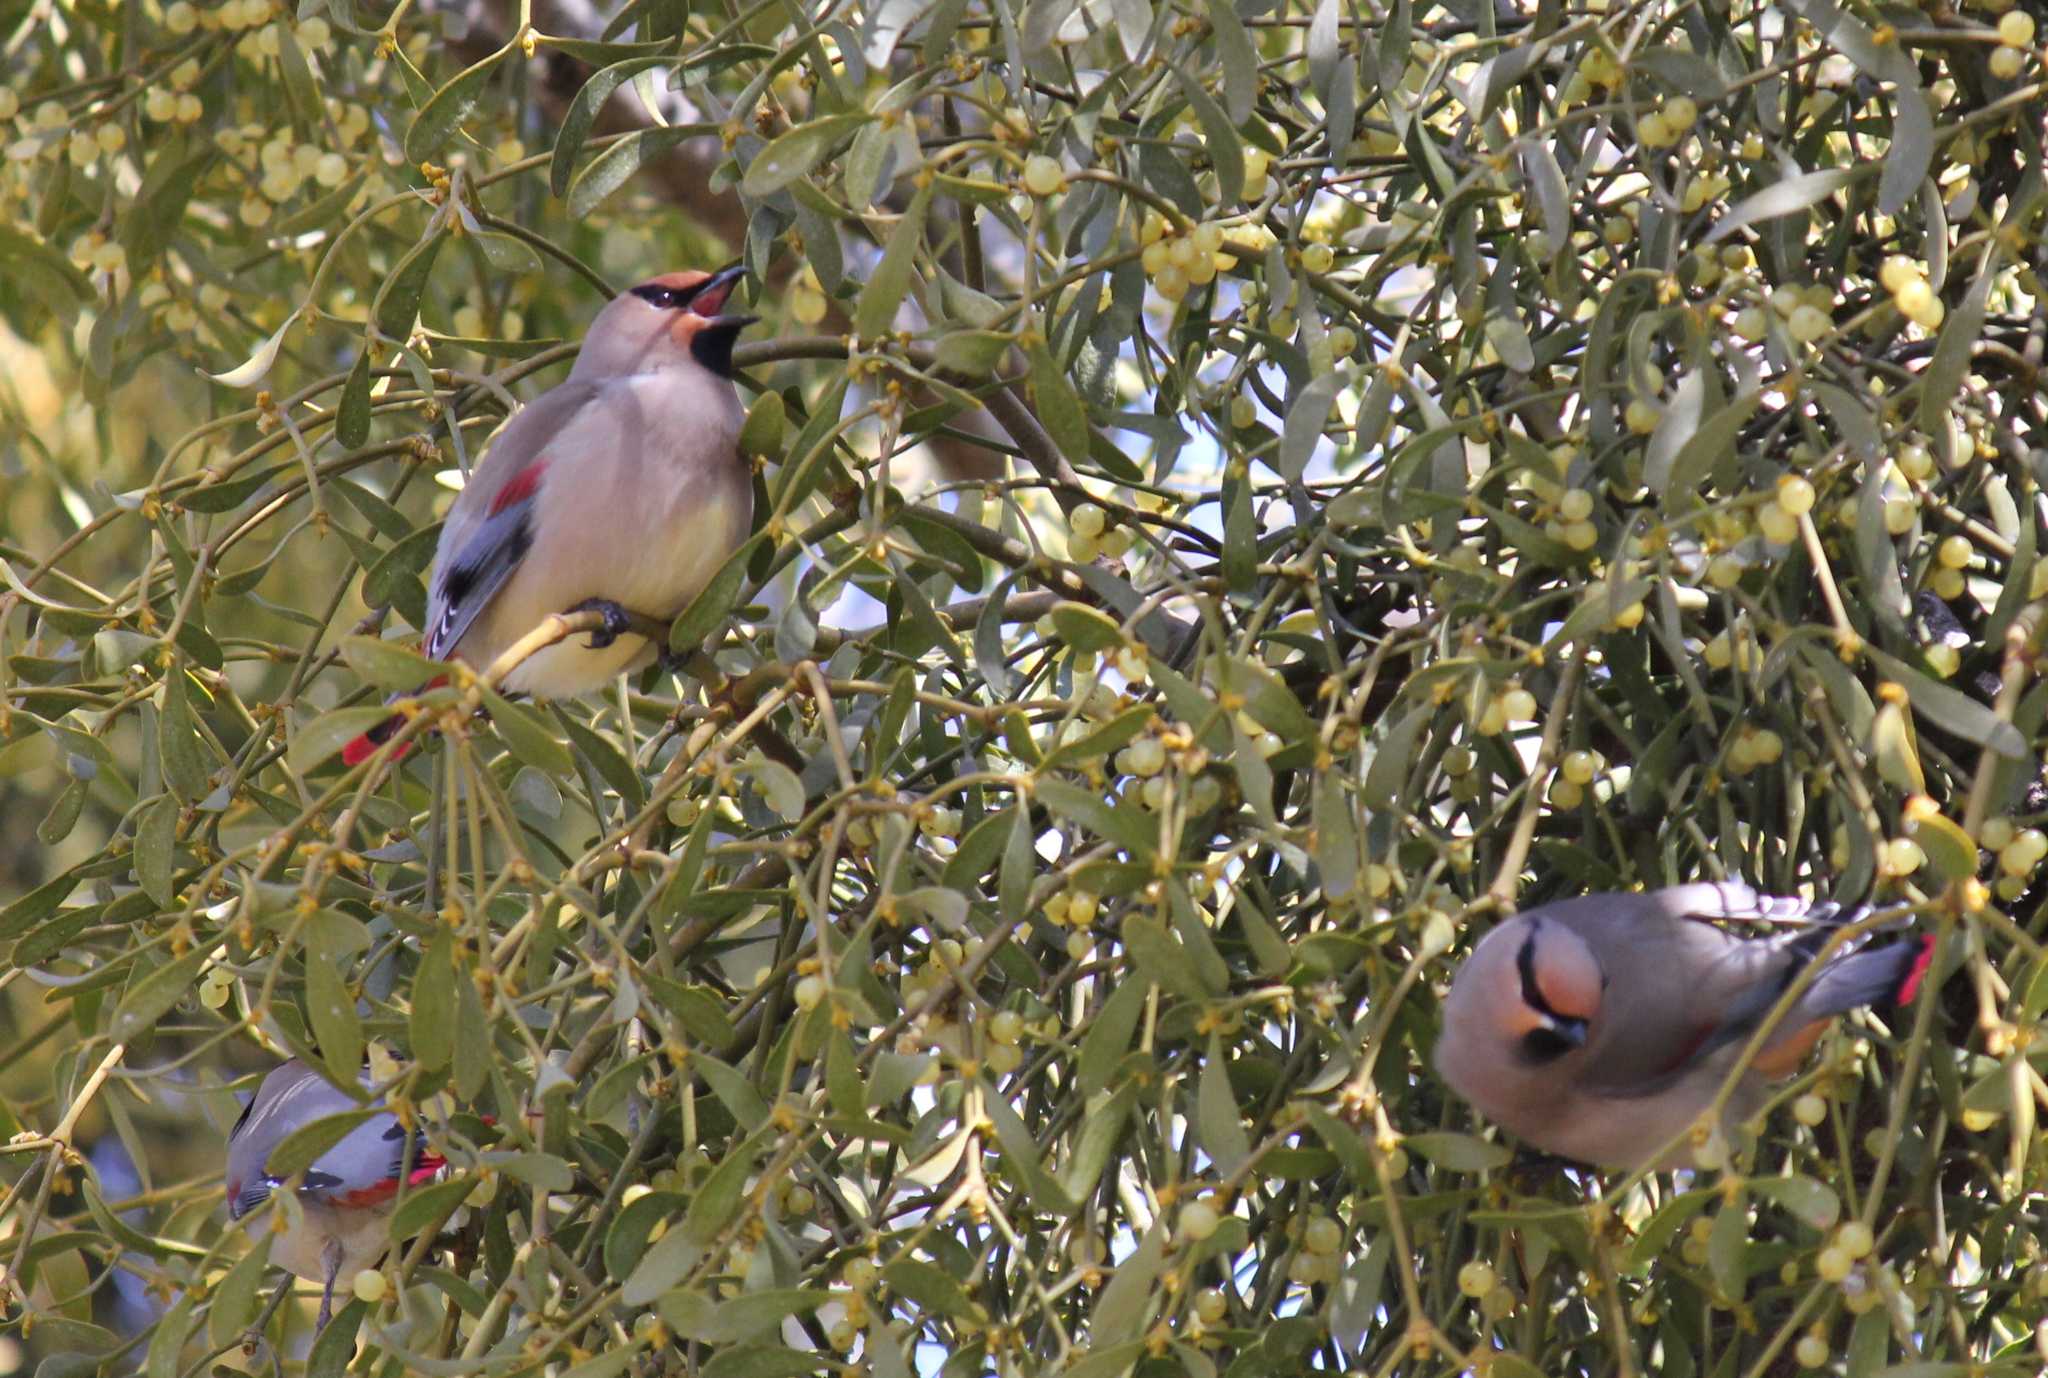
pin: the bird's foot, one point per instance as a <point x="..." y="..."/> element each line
<point x="617" y="621"/>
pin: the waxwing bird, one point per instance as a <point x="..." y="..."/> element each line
<point x="345" y="1197"/>
<point x="1602" y="1028"/>
<point x="621" y="490"/>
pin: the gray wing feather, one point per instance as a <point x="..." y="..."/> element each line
<point x="465" y="584"/>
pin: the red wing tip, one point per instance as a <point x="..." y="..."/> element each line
<point x="1910" y="987"/>
<point x="376" y="1194"/>
<point x="361" y="749"/>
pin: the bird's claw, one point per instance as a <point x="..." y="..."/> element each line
<point x="617" y="621"/>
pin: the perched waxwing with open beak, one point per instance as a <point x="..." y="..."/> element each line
<point x="1602" y="1028"/>
<point x="345" y="1198"/>
<point x="621" y="490"/>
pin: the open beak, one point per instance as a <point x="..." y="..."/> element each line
<point x="710" y="299"/>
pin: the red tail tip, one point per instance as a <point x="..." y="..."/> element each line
<point x="1910" y="987"/>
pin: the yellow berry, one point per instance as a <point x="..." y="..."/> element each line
<point x="1777" y="524"/>
<point x="2016" y="29"/>
<point x="1897" y="271"/>
<point x="1807" y="324"/>
<point x="1042" y="175"/>
<point x="1198" y="1220"/>
<point x="1476" y="1278"/>
<point x="1795" y="495"/>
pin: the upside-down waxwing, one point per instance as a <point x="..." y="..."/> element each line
<point x="345" y="1197"/>
<point x="622" y="489"/>
<point x="1601" y="1028"/>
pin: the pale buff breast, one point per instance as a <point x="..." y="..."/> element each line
<point x="643" y="500"/>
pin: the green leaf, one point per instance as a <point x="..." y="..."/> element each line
<point x="1021" y="1156"/>
<point x="1124" y="826"/>
<point x="663" y="1265"/>
<point x="1306" y="417"/>
<point x="387" y="664"/>
<point x="607" y="1363"/>
<point x="397" y="304"/>
<point x="1728" y="1247"/>
<point x="1656" y="1233"/>
<point x="1951" y="710"/>
<point x="794" y="152"/>
<point x="723" y="1321"/>
<point x="1096" y="1144"/>
<point x="37" y="905"/>
<point x="251" y="372"/>
<point x="330" y="732"/>
<point x="429" y="1206"/>
<point x="433" y="1004"/>
<point x="1791" y="196"/>
<point x="931" y="1287"/>
<point x="609" y="170"/>
<point x="149" y="999"/>
<point x="1225" y="147"/>
<point x="159" y="205"/>
<point x="763" y="1361"/>
<point x="761" y="436"/>
<point x="716" y="1202"/>
<point x="1457" y="1152"/>
<point x="1125" y="1304"/>
<point x="332" y="1012"/>
<point x="1162" y="958"/>
<point x="352" y="419"/>
<point x="335" y="1347"/>
<point x="526" y="733"/>
<point x="1911" y="152"/>
<point x="875" y="312"/>
<point x="708" y="610"/>
<point x="507" y="254"/>
<point x="449" y="107"/>
<point x="234" y="1299"/>
<point x="1240" y="61"/>
<point x="1216" y="1114"/>
<point x="583" y="111"/>
<point x="156" y="841"/>
<point x="971" y="353"/>
<point x="1109" y="1035"/>
<point x="305" y="1145"/>
<point x="1088" y="630"/>
<point x="1816" y="1204"/>
<point x="1943" y="377"/>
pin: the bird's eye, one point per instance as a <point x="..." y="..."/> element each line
<point x="663" y="298"/>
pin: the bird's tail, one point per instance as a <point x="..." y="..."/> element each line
<point x="1888" y="975"/>
<point x="360" y="749"/>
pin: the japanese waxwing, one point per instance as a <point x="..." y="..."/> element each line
<point x="621" y="489"/>
<point x="345" y="1197"/>
<point x="1602" y="1028"/>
